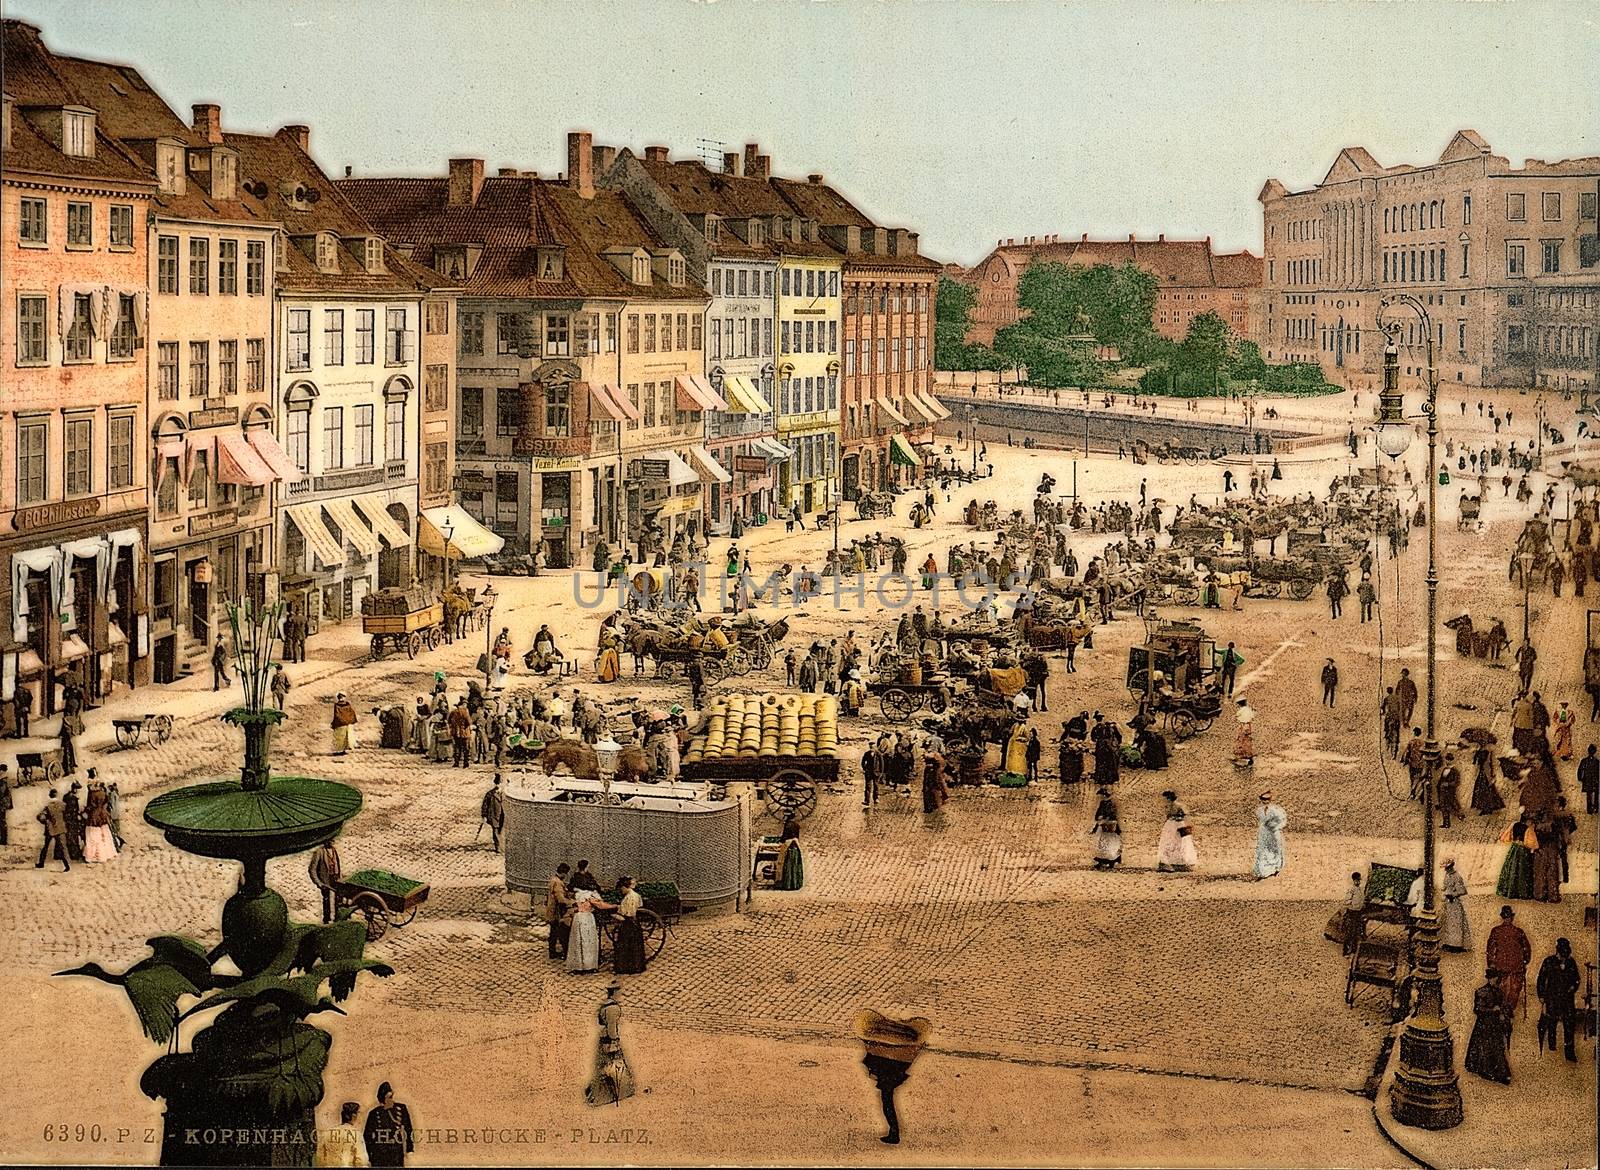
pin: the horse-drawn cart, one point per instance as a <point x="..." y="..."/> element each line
<point x="785" y="744"/>
<point x="402" y="619"/>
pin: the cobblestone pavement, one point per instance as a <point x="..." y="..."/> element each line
<point x="985" y="916"/>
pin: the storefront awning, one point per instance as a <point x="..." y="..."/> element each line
<point x="625" y="404"/>
<point x="695" y="393"/>
<point x="743" y="396"/>
<point x="390" y="530"/>
<point x="273" y="455"/>
<point x="73" y="648"/>
<point x="604" y="407"/>
<point x="237" y="462"/>
<point x="679" y="473"/>
<point x="308" y="519"/>
<point x="468" y="539"/>
<point x="892" y="411"/>
<point x="900" y="452"/>
<point x="771" y="448"/>
<point x="676" y="506"/>
<point x="354" y="528"/>
<point x="714" y="471"/>
<point x="29" y="664"/>
<point x="932" y="404"/>
<point x="919" y="414"/>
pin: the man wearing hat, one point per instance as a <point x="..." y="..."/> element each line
<point x="388" y="1133"/>
<point x="1271" y="821"/>
<point x="1557" y="987"/>
<point x="1507" y="956"/>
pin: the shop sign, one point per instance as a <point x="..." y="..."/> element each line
<point x="555" y="465"/>
<point x="750" y="464"/>
<point x="221" y="416"/>
<point x="49" y="515"/>
<point x="551" y="447"/>
<point x="201" y="572"/>
<point x="653" y="468"/>
<point x="211" y="521"/>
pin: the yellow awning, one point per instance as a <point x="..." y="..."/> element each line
<point x="308" y="519"/>
<point x="889" y="409"/>
<point x="758" y="402"/>
<point x="468" y="538"/>
<point x="385" y="525"/>
<point x="354" y="528"/>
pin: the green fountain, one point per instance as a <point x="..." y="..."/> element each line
<point x="245" y="1090"/>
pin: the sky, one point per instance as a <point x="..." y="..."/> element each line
<point x="966" y="120"/>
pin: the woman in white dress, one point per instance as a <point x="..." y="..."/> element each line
<point x="1175" y="853"/>
<point x="98" y="842"/>
<point x="1454" y="935"/>
<point x="583" y="945"/>
<point x="500" y="673"/>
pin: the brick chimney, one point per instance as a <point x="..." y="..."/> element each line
<point x="655" y="154"/>
<point x="814" y="180"/>
<point x="208" y="121"/>
<point x="466" y="180"/>
<point x="301" y="136"/>
<point x="5" y="121"/>
<point x="605" y="157"/>
<point x="752" y="152"/>
<point x="763" y="167"/>
<point x="580" y="163"/>
<point x="730" y="163"/>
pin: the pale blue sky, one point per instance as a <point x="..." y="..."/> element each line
<point x="968" y="120"/>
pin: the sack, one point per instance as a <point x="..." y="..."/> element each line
<point x="483" y="664"/>
<point x="1185" y="831"/>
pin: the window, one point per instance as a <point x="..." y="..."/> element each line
<point x="125" y="330"/>
<point x="1461" y="336"/>
<point x="437" y="466"/>
<point x="1550" y="251"/>
<point x="641" y="270"/>
<point x="694" y="331"/>
<point x="255" y="267"/>
<point x="298" y="354"/>
<point x="199" y="266"/>
<point x="228" y="268"/>
<point x="327" y="253"/>
<point x="437" y="320"/>
<point x="1464" y="258"/>
<point x="1550" y="204"/>
<point x="299" y="439"/>
<point x="365" y="328"/>
<point x="675" y="271"/>
<point x="471" y="334"/>
<point x="633" y="332"/>
<point x="394" y="429"/>
<point x="80" y="225"/>
<point x="200" y="479"/>
<point x="507" y="411"/>
<point x="79" y="461"/>
<point x="32" y="475"/>
<point x="649" y="333"/>
<point x="766" y="337"/>
<point x="1516" y="207"/>
<point x="833" y="284"/>
<point x="683" y="331"/>
<point x="33" y="222"/>
<point x="558" y="409"/>
<point x="766" y="283"/>
<point x="716" y="340"/>
<point x="80" y="330"/>
<point x="1516" y="300"/>
<point x="744" y="282"/>
<point x="199" y="369"/>
<point x="633" y="400"/>
<point x="77" y="134"/>
<point x="119" y="452"/>
<point x="811" y="282"/>
<point x="1586" y="206"/>
<point x="436" y="387"/>
<point x="397" y="347"/>
<point x="833" y="337"/>
<point x="811" y="337"/>
<point x="372" y="255"/>
<point x="508" y="333"/>
<point x="363" y="429"/>
<point x="557" y="335"/>
<point x="649" y="404"/>
<point x="167" y="265"/>
<point x="333" y="438"/>
<point x="611" y="333"/>
<point x="255" y="365"/>
<point x="744" y="339"/>
<point x="1516" y="259"/>
<point x="227" y="367"/>
<point x="167" y="370"/>
<point x="849" y="356"/>
<point x="1516" y="339"/>
<point x="469" y="420"/>
<point x="784" y="284"/>
<point x="333" y="337"/>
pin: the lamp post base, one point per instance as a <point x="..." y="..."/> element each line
<point x="1425" y="1093"/>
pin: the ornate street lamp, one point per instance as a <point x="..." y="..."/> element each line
<point x="1425" y="1092"/>
<point x="488" y="626"/>
<point x="606" y="754"/>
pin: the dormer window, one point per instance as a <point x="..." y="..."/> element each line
<point x="758" y="232"/>
<point x="170" y="172"/>
<point x="713" y="229"/>
<point x="550" y="264"/>
<point x="77" y="133"/>
<point x="641" y="268"/>
<point x="675" y="271"/>
<point x="373" y="258"/>
<point x="224" y="174"/>
<point x="327" y="252"/>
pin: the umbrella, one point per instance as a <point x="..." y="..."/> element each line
<point x="1479" y="735"/>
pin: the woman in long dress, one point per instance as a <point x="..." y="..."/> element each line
<point x="1486" y="1050"/>
<point x="1175" y="851"/>
<point x="608" y="665"/>
<point x="1516" y="872"/>
<point x="1244" y="748"/>
<point x="1485" y="796"/>
<point x="343" y="725"/>
<point x="98" y="843"/>
<point x="1270" y="823"/>
<point x="1107" y="832"/>
<point x="1546" y="860"/>
<point x="500" y="672"/>
<point x="627" y="957"/>
<point x="583" y="945"/>
<point x="1016" y="762"/>
<point x="1454" y="934"/>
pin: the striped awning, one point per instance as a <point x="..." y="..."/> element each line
<point x="900" y="452"/>
<point x="892" y="411"/>
<point x="771" y="448"/>
<point x="695" y="393"/>
<point x="625" y="404"/>
<point x="743" y="397"/>
<point x="932" y="404"/>
<point x="273" y="455"/>
<point x="712" y="471"/>
<point x="238" y="463"/>
<point x="354" y="528"/>
<point x="308" y="519"/>
<point x="600" y="396"/>
<point x="385" y="525"/>
<point x="919" y="414"/>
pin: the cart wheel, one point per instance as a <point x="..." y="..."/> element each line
<point x="654" y="928"/>
<point x="377" y="645"/>
<point x="52" y="772"/>
<point x="161" y="728"/>
<point x="792" y="791"/>
<point x="433" y="636"/>
<point x="371" y="907"/>
<point x="413" y="644"/>
<point x="1272" y="589"/>
<point x="1204" y="722"/>
<point x="1192" y="458"/>
<point x="666" y="668"/>
<point x="761" y="654"/>
<point x="1138" y="683"/>
<point x="737" y="661"/>
<point x="1301" y="588"/>
<point x="1183" y="724"/>
<point x="1186" y="595"/>
<point x="713" y="670"/>
<point x="937" y="702"/>
<point x="897" y="704"/>
<point x="406" y="921"/>
<point x="127" y="735"/>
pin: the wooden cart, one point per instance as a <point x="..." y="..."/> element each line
<point x="789" y="784"/>
<point x="157" y="728"/>
<point x="43" y="765"/>
<point x="900" y="700"/>
<point x="410" y="631"/>
<point x="1382" y="957"/>
<point x="381" y="897"/>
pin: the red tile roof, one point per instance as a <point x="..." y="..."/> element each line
<point x="822" y="203"/>
<point x="1174" y="263"/>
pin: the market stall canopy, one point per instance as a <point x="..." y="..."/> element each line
<point x="385" y="525"/>
<point x="468" y="538"/>
<point x="238" y="462"/>
<point x="714" y="471"/>
<point x="308" y="519"/>
<point x="900" y="452"/>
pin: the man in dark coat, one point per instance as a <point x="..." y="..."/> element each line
<point x="493" y="810"/>
<point x="72" y="808"/>
<point x="389" y="1135"/>
<point x="219" y="666"/>
<point x="1589" y="781"/>
<point x="1330" y="682"/>
<point x="21" y="709"/>
<point x="1557" y="986"/>
<point x="53" y="816"/>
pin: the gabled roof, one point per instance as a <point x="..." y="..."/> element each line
<point x="1353" y="163"/>
<point x="512" y="216"/>
<point x="1465" y="144"/>
<point x="1174" y="263"/>
<point x="694" y="189"/>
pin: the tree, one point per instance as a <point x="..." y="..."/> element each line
<point x="1208" y="345"/>
<point x="1248" y="365"/>
<point x="952" y="318"/>
<point x="1114" y="304"/>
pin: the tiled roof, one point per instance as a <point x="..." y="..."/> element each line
<point x="1236" y="269"/>
<point x="822" y="203"/>
<point x="128" y="107"/>
<point x="696" y="190"/>
<point x="33" y="153"/>
<point x="30" y="77"/>
<point x="1174" y="263"/>
<point x="511" y="217"/>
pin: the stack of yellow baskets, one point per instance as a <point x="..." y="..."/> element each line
<point x="767" y="726"/>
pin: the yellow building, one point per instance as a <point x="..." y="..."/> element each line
<point x="809" y="277"/>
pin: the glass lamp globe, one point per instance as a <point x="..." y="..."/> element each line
<point x="1393" y="438"/>
<point x="606" y="752"/>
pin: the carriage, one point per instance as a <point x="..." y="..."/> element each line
<point x="1181" y="653"/>
<point x="402" y="619"/>
<point x="786" y="744"/>
<point x="1171" y="453"/>
<point x="1272" y="577"/>
<point x="1382" y="955"/>
<point x="873" y="505"/>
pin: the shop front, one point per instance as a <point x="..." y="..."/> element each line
<point x="337" y="550"/>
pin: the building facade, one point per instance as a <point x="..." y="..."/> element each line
<point x="810" y="305"/>
<point x="1504" y="259"/>
<point x="1191" y="279"/>
<point x="73" y="453"/>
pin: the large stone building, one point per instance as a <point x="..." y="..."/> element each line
<point x="1191" y="279"/>
<point x="1503" y="258"/>
<point x="74" y="449"/>
<point x="580" y="366"/>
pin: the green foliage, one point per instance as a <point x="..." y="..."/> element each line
<point x="1208" y="345"/>
<point x="952" y="318"/>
